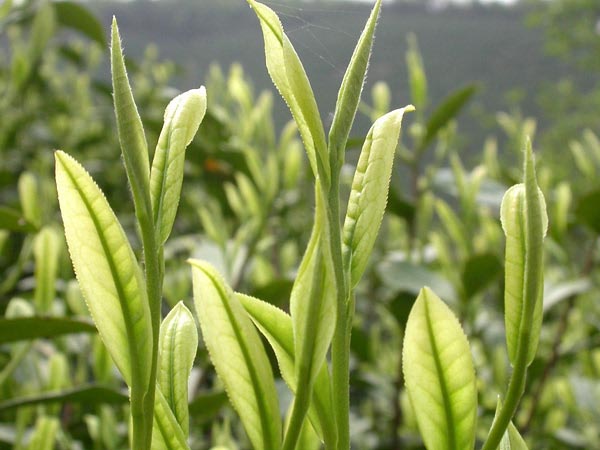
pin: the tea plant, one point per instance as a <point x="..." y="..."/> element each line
<point x="312" y="344"/>
<point x="321" y="302"/>
<point x="124" y="301"/>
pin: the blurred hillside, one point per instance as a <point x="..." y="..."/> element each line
<point x="489" y="44"/>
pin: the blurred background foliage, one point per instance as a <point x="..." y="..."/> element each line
<point x="480" y="81"/>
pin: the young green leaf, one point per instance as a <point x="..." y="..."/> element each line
<point x="177" y="350"/>
<point x="182" y="119"/>
<point x="350" y="90"/>
<point x="29" y="197"/>
<point x="46" y="251"/>
<point x="416" y="74"/>
<point x="290" y="79"/>
<point x="276" y="327"/>
<point x="313" y="302"/>
<point x="238" y="356"/>
<point x="108" y="273"/>
<point x="440" y="379"/>
<point x="166" y="432"/>
<point x="44" y="434"/>
<point x="446" y="111"/>
<point x="369" y="192"/>
<point x="131" y="131"/>
<point x="524" y="221"/>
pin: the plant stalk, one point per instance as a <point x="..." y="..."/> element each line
<point x="340" y="351"/>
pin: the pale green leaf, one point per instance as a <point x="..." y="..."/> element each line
<point x="351" y="89"/>
<point x="106" y="268"/>
<point x="276" y="327"/>
<point x="238" y="356"/>
<point x="29" y="197"/>
<point x="177" y="349"/>
<point x="290" y="79"/>
<point x="439" y="374"/>
<point x="416" y="74"/>
<point x="46" y="252"/>
<point x="369" y="192"/>
<point x="166" y="432"/>
<point x="44" y="434"/>
<point x="130" y="129"/>
<point x="524" y="221"/>
<point x="181" y="121"/>
<point x="313" y="301"/>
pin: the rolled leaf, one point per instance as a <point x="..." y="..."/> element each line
<point x="369" y="192"/>
<point x="351" y="89"/>
<point x="313" y="302"/>
<point x="131" y="131"/>
<point x="46" y="251"/>
<point x="182" y="119"/>
<point x="416" y="74"/>
<point x="276" y="327"/>
<point x="524" y="221"/>
<point x="238" y="355"/>
<point x="177" y="349"/>
<point x="108" y="273"/>
<point x="439" y="374"/>
<point x="291" y="81"/>
<point x="29" y="197"/>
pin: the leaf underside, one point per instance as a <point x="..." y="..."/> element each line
<point x="439" y="373"/>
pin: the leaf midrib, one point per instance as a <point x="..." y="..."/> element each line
<point x="264" y="420"/>
<point x="449" y="413"/>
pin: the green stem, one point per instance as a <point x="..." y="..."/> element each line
<point x="340" y="350"/>
<point x="516" y="387"/>
<point x="299" y="410"/>
<point x="154" y="268"/>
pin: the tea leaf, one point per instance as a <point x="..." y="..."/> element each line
<point x="46" y="251"/>
<point x="351" y="89"/>
<point x="445" y="112"/>
<point x="131" y="131"/>
<point x="276" y="327"/>
<point x="44" y="434"/>
<point x="440" y="379"/>
<point x="12" y="220"/>
<point x="107" y="271"/>
<point x="290" y="79"/>
<point x="27" y="328"/>
<point x="29" y="197"/>
<point x="181" y="121"/>
<point x="85" y="395"/>
<point x="166" y="432"/>
<point x="78" y="17"/>
<point x="177" y="346"/>
<point x="313" y="302"/>
<point x="416" y="74"/>
<point x="238" y="356"/>
<point x="369" y="192"/>
<point x="524" y="221"/>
